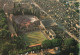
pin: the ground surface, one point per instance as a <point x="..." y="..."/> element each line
<point x="34" y="37"/>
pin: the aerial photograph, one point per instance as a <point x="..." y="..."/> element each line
<point x="39" y="27"/>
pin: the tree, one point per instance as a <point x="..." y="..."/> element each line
<point x="1" y="11"/>
<point x="4" y="34"/>
<point x="19" y="41"/>
<point x="69" y="42"/>
<point x="56" y="42"/>
<point x="36" y="48"/>
<point x="52" y="43"/>
<point x="13" y="46"/>
<point x="12" y="52"/>
<point x="46" y="44"/>
<point x="6" y="48"/>
<point x="77" y="11"/>
<point x="3" y="23"/>
<point x="77" y="4"/>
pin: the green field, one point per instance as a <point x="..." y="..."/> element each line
<point x="34" y="37"/>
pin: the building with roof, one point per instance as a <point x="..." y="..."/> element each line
<point x="52" y="34"/>
<point x="48" y="23"/>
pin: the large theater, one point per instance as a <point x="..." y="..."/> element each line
<point x="27" y="22"/>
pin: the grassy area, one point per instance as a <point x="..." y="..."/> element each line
<point x="34" y="37"/>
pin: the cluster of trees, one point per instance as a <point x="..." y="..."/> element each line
<point x="8" y="45"/>
<point x="34" y="48"/>
<point x="4" y="33"/>
<point x="18" y="11"/>
<point x="77" y="11"/>
<point x="52" y="43"/>
<point x="13" y="46"/>
<point x="70" y="46"/>
<point x="77" y="4"/>
<point x="67" y="46"/>
<point x="32" y="12"/>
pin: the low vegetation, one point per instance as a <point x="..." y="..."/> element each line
<point x="34" y="37"/>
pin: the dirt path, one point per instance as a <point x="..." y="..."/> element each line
<point x="7" y="9"/>
<point x="10" y="26"/>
